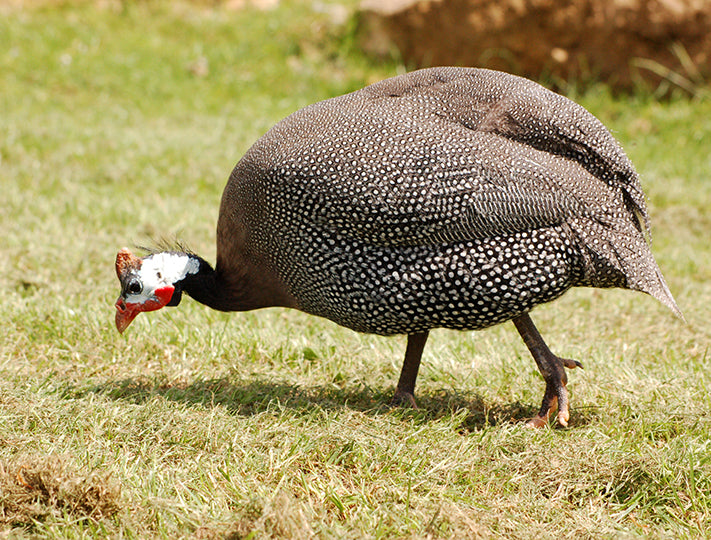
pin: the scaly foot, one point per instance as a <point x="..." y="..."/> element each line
<point x="556" y="395"/>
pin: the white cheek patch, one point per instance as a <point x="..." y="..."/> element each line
<point x="162" y="270"/>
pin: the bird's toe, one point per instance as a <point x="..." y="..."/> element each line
<point x="563" y="417"/>
<point x="548" y="407"/>
<point x="570" y="364"/>
<point x="537" y="422"/>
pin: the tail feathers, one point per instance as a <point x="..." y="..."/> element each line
<point x="658" y="289"/>
<point x="623" y="252"/>
<point x="643" y="274"/>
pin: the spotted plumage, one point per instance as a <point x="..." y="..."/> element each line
<point x="447" y="197"/>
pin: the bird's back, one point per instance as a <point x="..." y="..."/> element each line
<point x="440" y="164"/>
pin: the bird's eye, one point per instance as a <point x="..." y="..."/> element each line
<point x="134" y="286"/>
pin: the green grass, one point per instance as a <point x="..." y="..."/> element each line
<point x="198" y="424"/>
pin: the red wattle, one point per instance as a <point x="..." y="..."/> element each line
<point x="164" y="294"/>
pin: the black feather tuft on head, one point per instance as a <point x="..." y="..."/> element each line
<point x="165" y="244"/>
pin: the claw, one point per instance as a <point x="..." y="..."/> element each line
<point x="571" y="364"/>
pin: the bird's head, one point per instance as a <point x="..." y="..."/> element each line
<point x="149" y="283"/>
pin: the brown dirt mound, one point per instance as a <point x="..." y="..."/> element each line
<point x="621" y="42"/>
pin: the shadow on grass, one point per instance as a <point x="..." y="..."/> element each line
<point x="256" y="396"/>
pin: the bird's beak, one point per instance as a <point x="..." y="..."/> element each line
<point x="125" y="313"/>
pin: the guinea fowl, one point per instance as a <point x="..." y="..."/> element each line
<point x="443" y="198"/>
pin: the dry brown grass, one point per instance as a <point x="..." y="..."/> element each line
<point x="35" y="488"/>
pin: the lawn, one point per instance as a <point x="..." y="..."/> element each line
<point x="119" y="125"/>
